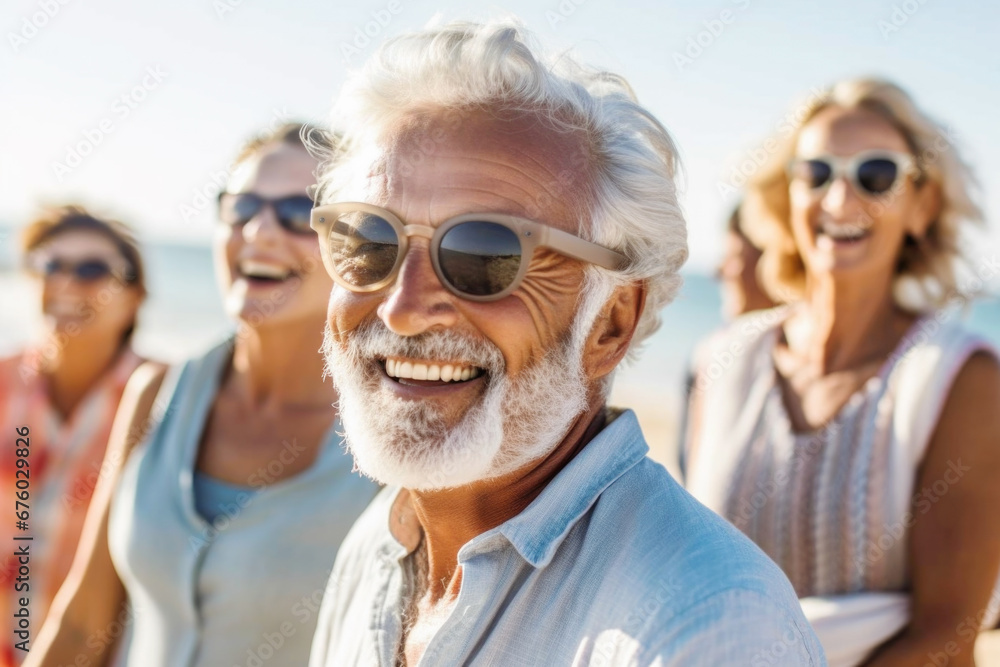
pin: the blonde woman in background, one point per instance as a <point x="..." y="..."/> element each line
<point x="58" y="398"/>
<point x="855" y="434"/>
<point x="222" y="525"/>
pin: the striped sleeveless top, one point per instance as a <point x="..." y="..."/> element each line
<point x="244" y="589"/>
<point x="833" y="506"/>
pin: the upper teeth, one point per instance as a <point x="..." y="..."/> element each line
<point x="845" y="232"/>
<point x="263" y="270"/>
<point x="420" y="370"/>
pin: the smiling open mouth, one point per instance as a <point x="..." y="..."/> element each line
<point x="65" y="309"/>
<point x="402" y="370"/>
<point x="844" y="233"/>
<point x="264" y="272"/>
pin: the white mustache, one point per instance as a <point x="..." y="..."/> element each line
<point x="374" y="341"/>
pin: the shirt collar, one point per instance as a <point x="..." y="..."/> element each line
<point x="537" y="532"/>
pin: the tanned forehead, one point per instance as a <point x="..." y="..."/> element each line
<point x="566" y="155"/>
<point x="500" y="130"/>
<point x="856" y="125"/>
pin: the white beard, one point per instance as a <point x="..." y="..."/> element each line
<point x="407" y="442"/>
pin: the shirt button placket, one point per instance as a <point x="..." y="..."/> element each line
<point x="197" y="564"/>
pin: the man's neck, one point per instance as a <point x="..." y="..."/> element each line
<point x="450" y="518"/>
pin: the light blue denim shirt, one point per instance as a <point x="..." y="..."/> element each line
<point x="612" y="564"/>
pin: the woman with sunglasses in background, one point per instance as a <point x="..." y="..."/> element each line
<point x="854" y="435"/>
<point x="221" y="527"/>
<point x="62" y="393"/>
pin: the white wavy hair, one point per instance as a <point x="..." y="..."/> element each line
<point x="631" y="161"/>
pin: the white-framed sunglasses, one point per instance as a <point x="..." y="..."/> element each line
<point x="872" y="173"/>
<point x="476" y="256"/>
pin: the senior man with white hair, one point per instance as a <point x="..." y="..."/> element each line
<point x="502" y="229"/>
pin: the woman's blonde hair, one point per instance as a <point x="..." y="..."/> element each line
<point x="926" y="268"/>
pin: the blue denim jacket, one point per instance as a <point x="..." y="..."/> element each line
<point x="612" y="564"/>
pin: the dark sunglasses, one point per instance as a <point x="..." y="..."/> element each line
<point x="84" y="271"/>
<point x="479" y="256"/>
<point x="871" y="173"/>
<point x="237" y="208"/>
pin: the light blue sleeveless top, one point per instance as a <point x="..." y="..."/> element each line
<point x="246" y="589"/>
<point x="213" y="497"/>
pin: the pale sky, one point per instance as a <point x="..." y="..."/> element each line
<point x="160" y="94"/>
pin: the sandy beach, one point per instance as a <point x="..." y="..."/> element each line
<point x="658" y="411"/>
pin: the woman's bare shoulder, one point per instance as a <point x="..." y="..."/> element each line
<point x="133" y="420"/>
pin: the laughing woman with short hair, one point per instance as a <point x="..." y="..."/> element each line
<point x="840" y="413"/>
<point x="222" y="525"/>
<point x="64" y="390"/>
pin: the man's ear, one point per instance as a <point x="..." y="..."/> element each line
<point x="613" y="330"/>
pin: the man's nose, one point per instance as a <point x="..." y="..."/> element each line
<point x="417" y="301"/>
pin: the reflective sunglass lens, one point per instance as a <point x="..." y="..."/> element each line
<point x="237" y="209"/>
<point x="363" y="248"/>
<point x="51" y="267"/>
<point x="92" y="270"/>
<point x="87" y="270"/>
<point x="480" y="258"/>
<point x="293" y="213"/>
<point x="878" y="175"/>
<point x="815" y="173"/>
